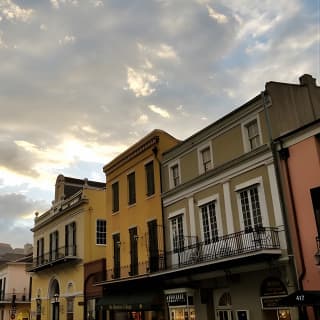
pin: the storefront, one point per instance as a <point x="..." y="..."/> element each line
<point x="180" y="304"/>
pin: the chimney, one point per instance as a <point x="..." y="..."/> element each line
<point x="307" y="79"/>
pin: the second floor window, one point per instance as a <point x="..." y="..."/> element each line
<point x="115" y="197"/>
<point x="116" y="255"/>
<point x="149" y="178"/>
<point x="70" y="239"/>
<point x="101" y="232"/>
<point x="250" y="206"/>
<point x="131" y="188"/>
<point x="177" y="233"/>
<point x="209" y="222"/>
<point x="54" y="245"/>
<point x="40" y="250"/>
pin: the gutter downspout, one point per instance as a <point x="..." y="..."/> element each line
<point x="284" y="211"/>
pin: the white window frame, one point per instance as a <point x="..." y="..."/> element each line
<point x="244" y="130"/>
<point x="171" y="180"/>
<point x="204" y="201"/>
<point x="262" y="200"/>
<point x="174" y="215"/>
<point x="200" y="158"/>
<point x="101" y="244"/>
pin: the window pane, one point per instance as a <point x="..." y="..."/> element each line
<point x="115" y="197"/>
<point x="175" y="175"/>
<point x="132" y="188"/>
<point x="209" y="222"/>
<point x="150" y="178"/>
<point x="177" y="234"/>
<point x="101" y="232"/>
<point x="206" y="159"/>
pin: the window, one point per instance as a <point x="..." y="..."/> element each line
<point x="116" y="255"/>
<point x="250" y="207"/>
<point x="251" y="134"/>
<point x="101" y="232"/>
<point x="54" y="245"/>
<point x="70" y="239"/>
<point x="131" y="188"/>
<point x="133" y="251"/>
<point x="315" y="197"/>
<point x="153" y="246"/>
<point x="175" y="175"/>
<point x="150" y="178"/>
<point x="209" y="222"/>
<point x="70" y="304"/>
<point x="177" y="233"/>
<point x="205" y="158"/>
<point x="115" y="197"/>
<point x="40" y="251"/>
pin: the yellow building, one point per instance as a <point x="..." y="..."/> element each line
<point x="135" y="246"/>
<point x="71" y="233"/>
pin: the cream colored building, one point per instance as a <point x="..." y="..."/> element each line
<point x="71" y="233"/>
<point x="15" y="285"/>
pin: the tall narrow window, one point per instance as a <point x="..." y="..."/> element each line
<point x="70" y="307"/>
<point x="54" y="242"/>
<point x="40" y="251"/>
<point x="150" y="178"/>
<point x="133" y="251"/>
<point x="175" y="175"/>
<point x="315" y="197"/>
<point x="206" y="159"/>
<point x="115" y="197"/>
<point x="101" y="232"/>
<point x="70" y="239"/>
<point x="153" y="246"/>
<point x="131" y="188"/>
<point x="116" y="255"/>
<point x="253" y="134"/>
<point x="250" y="206"/>
<point x="209" y="222"/>
<point x="177" y="233"/>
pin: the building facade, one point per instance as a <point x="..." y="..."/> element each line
<point x="67" y="236"/>
<point x="15" y="290"/>
<point x="298" y="151"/>
<point x="135" y="246"/>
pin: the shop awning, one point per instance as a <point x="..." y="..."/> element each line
<point x="301" y="298"/>
<point x="131" y="301"/>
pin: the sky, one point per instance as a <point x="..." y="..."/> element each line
<point x="82" y="80"/>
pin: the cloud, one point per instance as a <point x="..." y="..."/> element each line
<point x="12" y="12"/>
<point x="140" y="82"/>
<point x="68" y="39"/>
<point x="219" y="17"/>
<point x="163" y="113"/>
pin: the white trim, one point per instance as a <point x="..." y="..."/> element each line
<point x="170" y="166"/>
<point x="248" y="183"/>
<point x="148" y="160"/>
<point x="177" y="213"/>
<point x="228" y="209"/>
<point x="205" y="201"/>
<point x="200" y="149"/>
<point x="262" y="200"/>
<point x="244" y="131"/>
<point x="192" y="220"/>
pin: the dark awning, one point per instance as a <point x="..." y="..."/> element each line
<point x="131" y="301"/>
<point x="301" y="298"/>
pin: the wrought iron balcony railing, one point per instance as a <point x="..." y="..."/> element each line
<point x="231" y="245"/>
<point x="62" y="254"/>
<point x="16" y="297"/>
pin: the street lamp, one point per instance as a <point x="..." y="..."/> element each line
<point x="56" y="298"/>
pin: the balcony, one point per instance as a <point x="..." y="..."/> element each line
<point x="14" y="297"/>
<point x="243" y="244"/>
<point x="55" y="257"/>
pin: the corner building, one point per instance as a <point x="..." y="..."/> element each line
<point x="229" y="251"/>
<point x="135" y="245"/>
<point x="71" y="233"/>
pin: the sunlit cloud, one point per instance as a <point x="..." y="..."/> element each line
<point x="12" y="12"/>
<point x="163" y="113"/>
<point x="166" y="52"/>
<point x="219" y="17"/>
<point x="68" y="39"/>
<point x="140" y="82"/>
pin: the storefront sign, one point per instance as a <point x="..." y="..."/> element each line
<point x="177" y="299"/>
<point x="273" y="287"/>
<point x="270" y="303"/>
